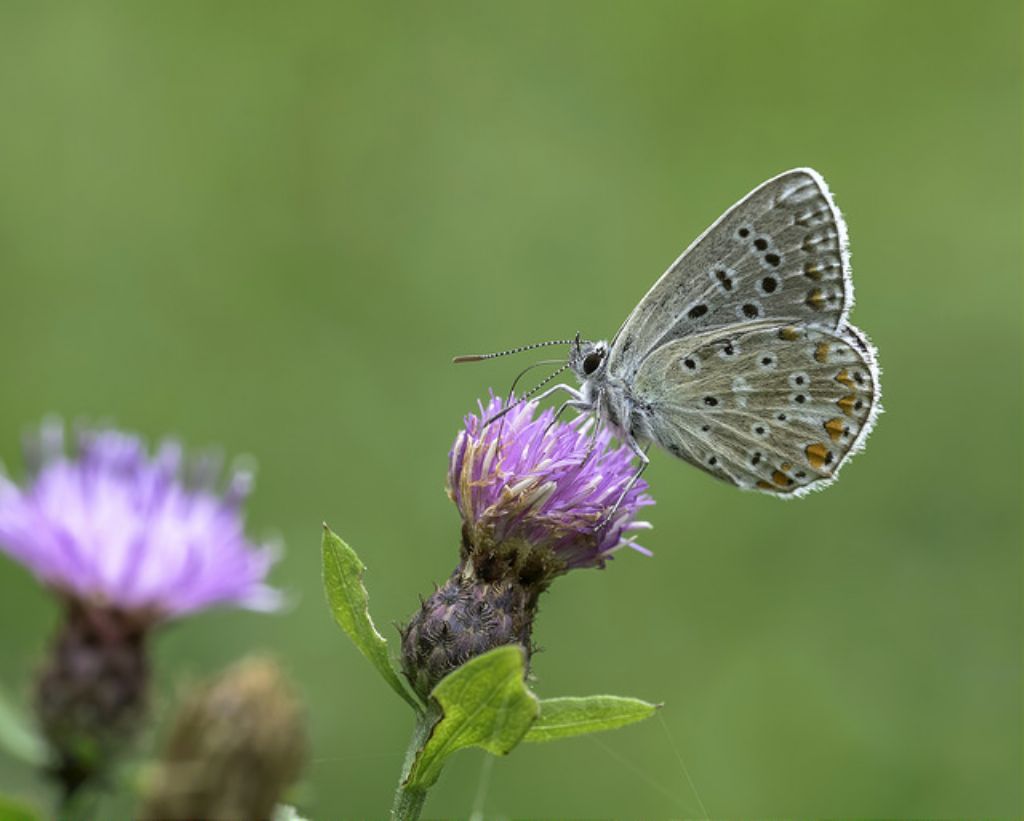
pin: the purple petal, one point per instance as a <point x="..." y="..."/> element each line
<point x="117" y="524"/>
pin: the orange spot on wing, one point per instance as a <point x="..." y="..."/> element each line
<point x="781" y="479"/>
<point x="821" y="352"/>
<point x="815" y="299"/>
<point x="817" y="455"/>
<point x="761" y="483"/>
<point x="843" y="377"/>
<point x="846" y="404"/>
<point x="789" y="334"/>
<point x="835" y="428"/>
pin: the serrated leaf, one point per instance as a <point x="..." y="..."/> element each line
<point x="567" y="717"/>
<point x="484" y="703"/>
<point x="349" y="602"/>
<point x="19" y="737"/>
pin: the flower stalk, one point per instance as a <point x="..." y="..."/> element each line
<point x="409" y="800"/>
<point x="537" y="500"/>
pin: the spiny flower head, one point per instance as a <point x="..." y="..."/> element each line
<point x="118" y="527"/>
<point x="553" y="485"/>
<point x="538" y="498"/>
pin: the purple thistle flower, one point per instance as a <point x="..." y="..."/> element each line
<point x="115" y="526"/>
<point x="538" y="498"/>
<point x="126" y="542"/>
<point x="552" y="485"/>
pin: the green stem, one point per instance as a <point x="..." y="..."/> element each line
<point x="408" y="803"/>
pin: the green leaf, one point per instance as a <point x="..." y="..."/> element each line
<point x="11" y="809"/>
<point x="484" y="703"/>
<point x="343" y="581"/>
<point x="19" y="737"/>
<point x="566" y="717"/>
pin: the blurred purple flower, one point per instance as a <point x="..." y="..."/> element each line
<point x="113" y="526"/>
<point x="551" y="485"/>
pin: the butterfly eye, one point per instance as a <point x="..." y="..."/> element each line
<point x="591" y="362"/>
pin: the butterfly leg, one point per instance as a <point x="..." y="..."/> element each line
<point x="575" y="394"/>
<point x="569" y="389"/>
<point x="561" y="409"/>
<point x="596" y="422"/>
<point x="641" y="454"/>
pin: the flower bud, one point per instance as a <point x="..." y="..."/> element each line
<point x="236" y="745"/>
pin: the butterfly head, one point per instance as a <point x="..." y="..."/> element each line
<point x="587" y="359"/>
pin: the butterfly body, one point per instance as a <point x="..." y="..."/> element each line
<point x="612" y="401"/>
<point x="740" y="359"/>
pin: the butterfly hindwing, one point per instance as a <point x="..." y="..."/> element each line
<point x="774" y="407"/>
<point x="778" y="254"/>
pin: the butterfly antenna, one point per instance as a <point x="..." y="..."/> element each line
<point x="515" y="382"/>
<point x="480" y="357"/>
<point x="526" y="395"/>
<point x="526" y="370"/>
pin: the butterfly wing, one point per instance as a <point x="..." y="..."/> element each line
<point x="773" y="407"/>
<point x="778" y="254"/>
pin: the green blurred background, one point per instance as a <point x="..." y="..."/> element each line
<point x="269" y="226"/>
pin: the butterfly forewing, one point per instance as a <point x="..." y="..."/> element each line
<point x="774" y="407"/>
<point x="778" y="254"/>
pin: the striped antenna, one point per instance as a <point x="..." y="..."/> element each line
<point x="480" y="357"/>
<point x="525" y="397"/>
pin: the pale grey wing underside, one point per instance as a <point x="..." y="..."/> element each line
<point x="772" y="407"/>
<point x="778" y="254"/>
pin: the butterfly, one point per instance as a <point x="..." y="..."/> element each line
<point x="741" y="359"/>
